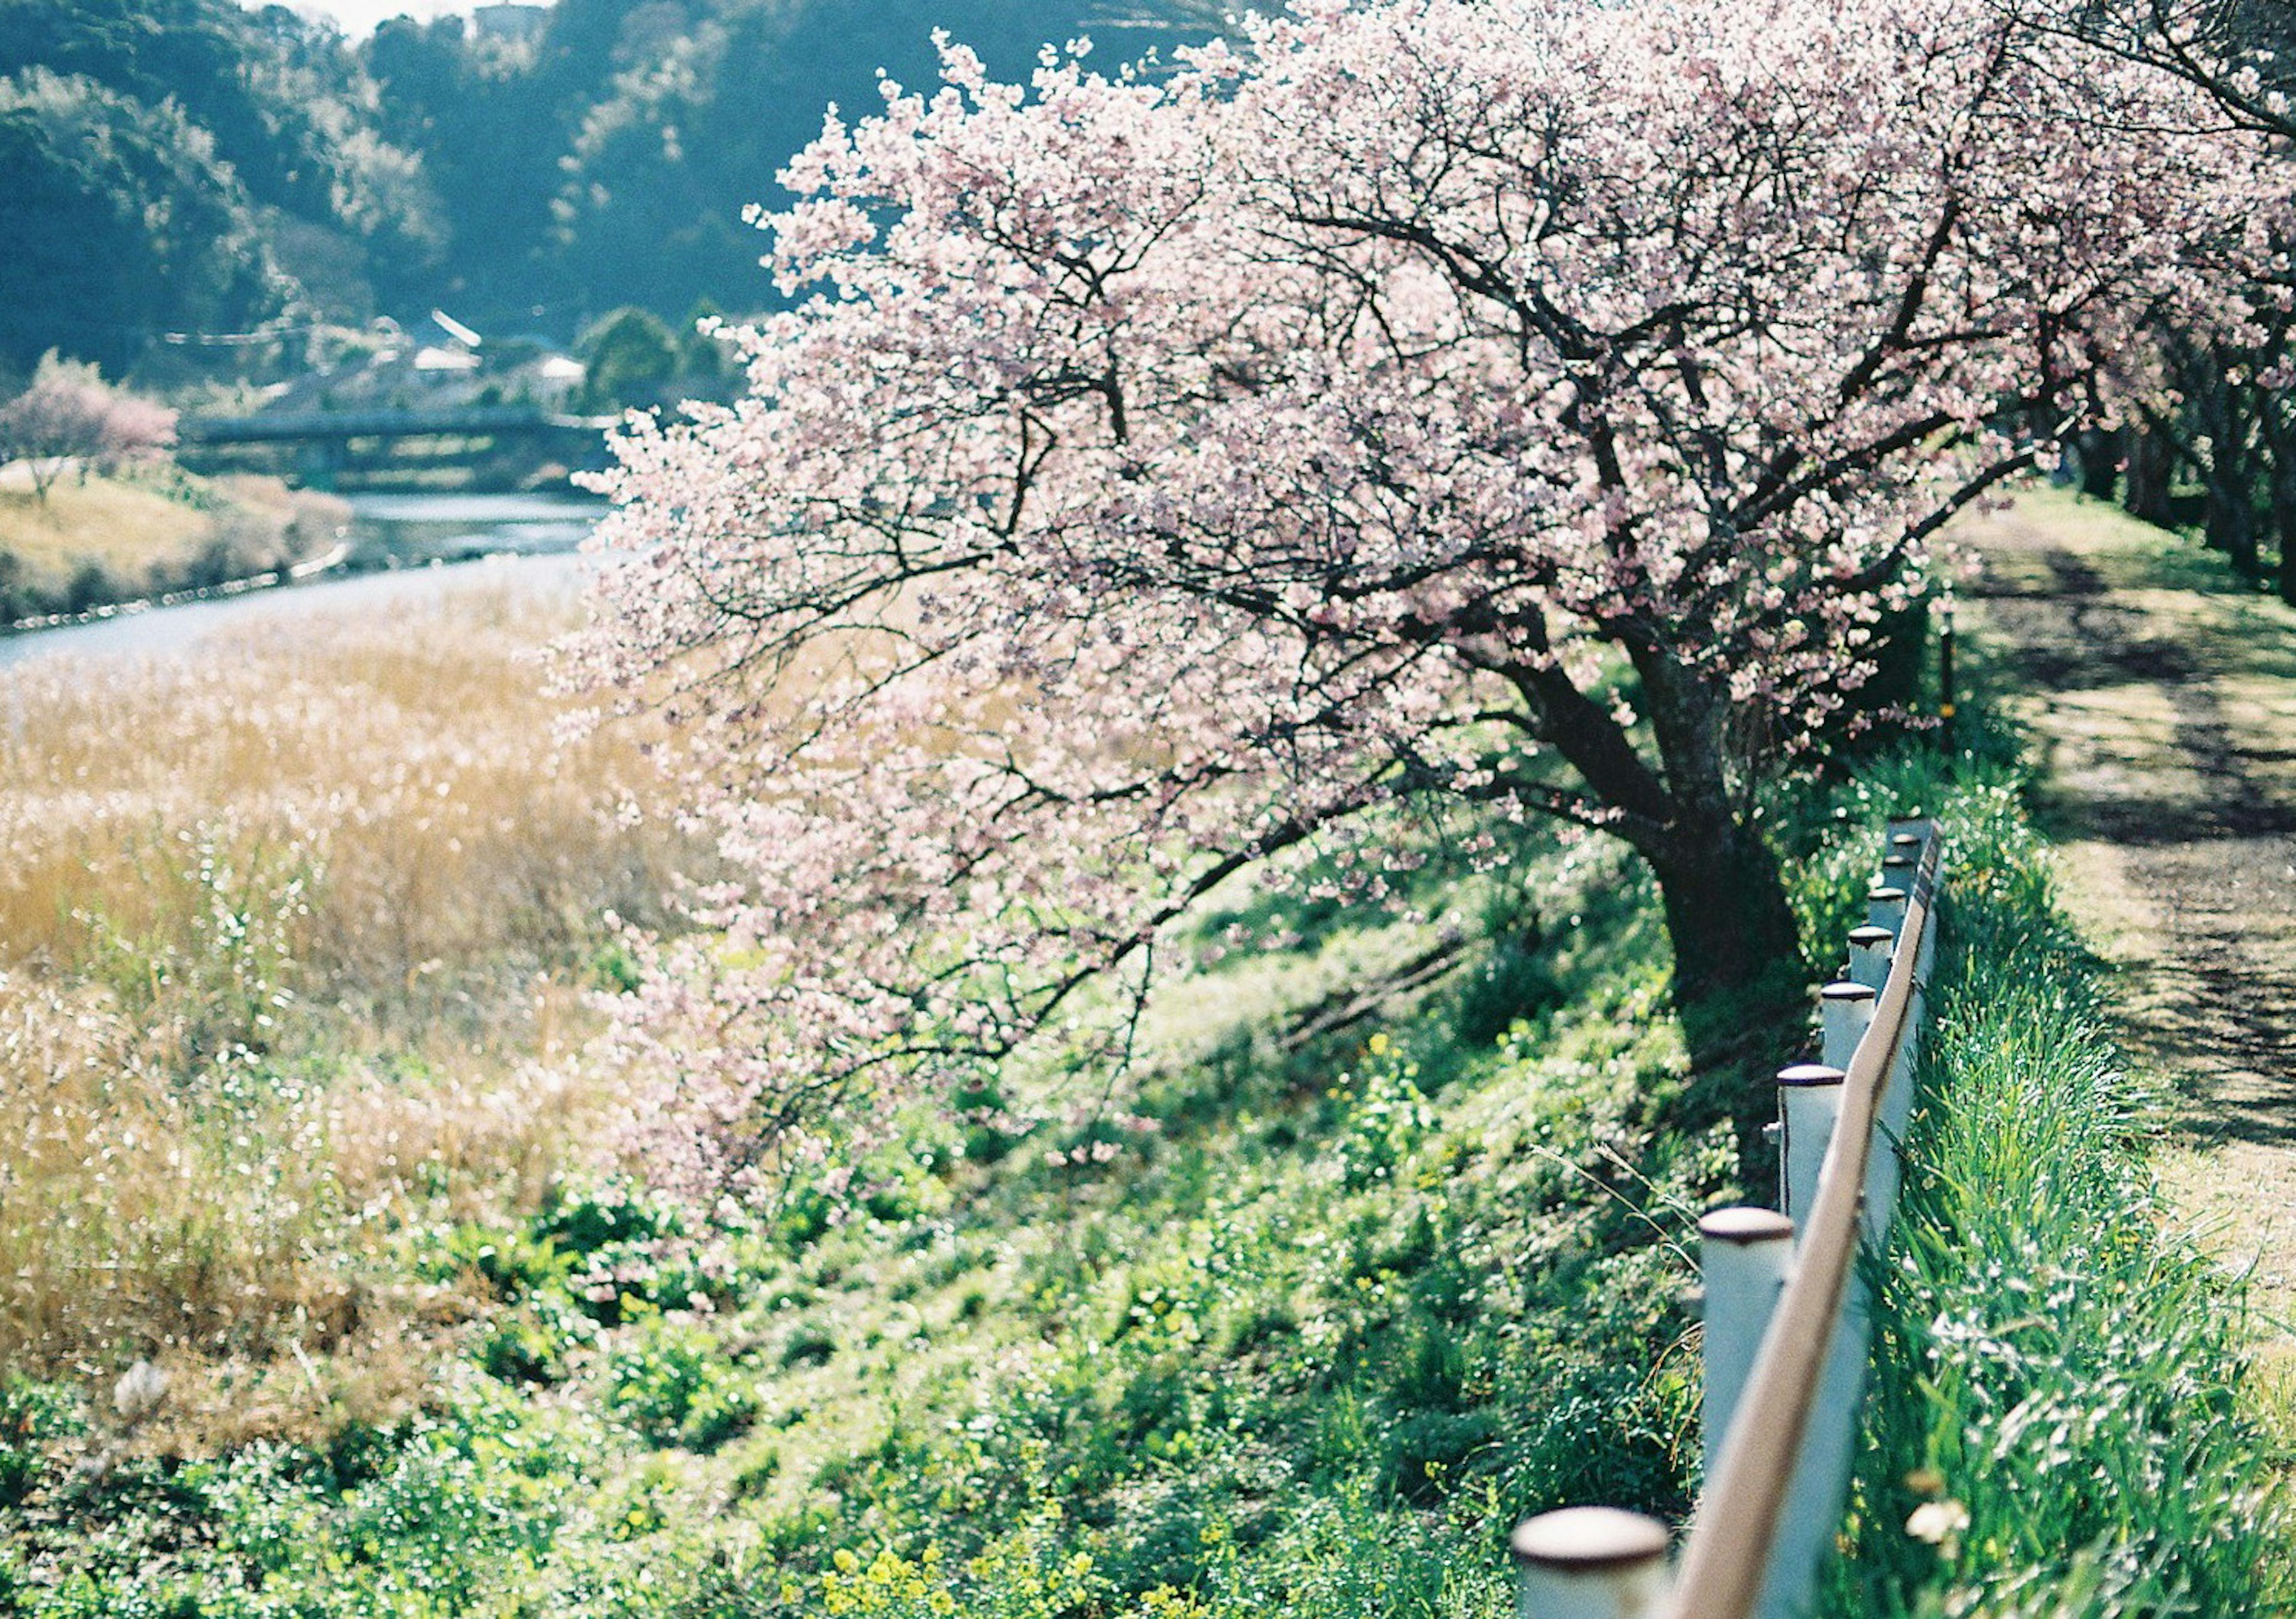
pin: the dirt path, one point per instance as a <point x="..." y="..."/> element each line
<point x="2162" y="703"/>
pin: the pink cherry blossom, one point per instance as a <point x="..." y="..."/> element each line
<point x="1476" y="408"/>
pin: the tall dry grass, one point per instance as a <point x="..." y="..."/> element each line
<point x="294" y="934"/>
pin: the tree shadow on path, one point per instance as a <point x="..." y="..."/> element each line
<point x="2161" y="747"/>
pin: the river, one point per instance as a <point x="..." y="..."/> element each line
<point x="402" y="547"/>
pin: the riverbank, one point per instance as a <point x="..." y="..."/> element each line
<point x="397" y="550"/>
<point x="150" y="533"/>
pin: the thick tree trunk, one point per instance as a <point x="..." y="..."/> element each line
<point x="1733" y="934"/>
<point x="2231" y="521"/>
<point x="2284" y="512"/>
<point x="2100" y="463"/>
<point x="2145" y="492"/>
<point x="1738" y="977"/>
<point x="2280" y="450"/>
<point x="2231" y="526"/>
<point x="1739" y="986"/>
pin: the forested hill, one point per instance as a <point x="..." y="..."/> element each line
<point x="612" y="164"/>
<point x="181" y="169"/>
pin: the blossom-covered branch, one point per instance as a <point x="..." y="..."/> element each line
<point x="1523" y="407"/>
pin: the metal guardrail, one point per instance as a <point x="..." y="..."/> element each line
<point x="1786" y="1312"/>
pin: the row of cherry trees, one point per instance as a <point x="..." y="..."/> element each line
<point x="2223" y="422"/>
<point x="1459" y="411"/>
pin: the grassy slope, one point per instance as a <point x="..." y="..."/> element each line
<point x="122" y="525"/>
<point x="1363" y="1298"/>
<point x="112" y="538"/>
<point x="1360" y="1301"/>
<point x="1310" y="1351"/>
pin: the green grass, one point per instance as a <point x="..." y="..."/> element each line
<point x="1377" y="1285"/>
<point x="2052" y="1427"/>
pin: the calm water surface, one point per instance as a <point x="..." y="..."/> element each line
<point x="404" y="548"/>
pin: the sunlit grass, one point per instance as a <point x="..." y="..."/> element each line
<point x="2053" y="1426"/>
<point x="117" y="523"/>
<point x="109" y="538"/>
<point x="296" y="930"/>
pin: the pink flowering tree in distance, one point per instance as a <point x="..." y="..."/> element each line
<point x="69" y="417"/>
<point x="1521" y="408"/>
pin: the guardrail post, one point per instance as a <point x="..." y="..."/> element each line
<point x="1773" y="1501"/>
<point x="1810" y="1103"/>
<point x="1590" y="1563"/>
<point x="1894" y="1114"/>
<point x="1886" y="908"/>
<point x="1870" y="950"/>
<point x="1744" y="1253"/>
<point x="1845" y="1012"/>
<point x="1812" y="1511"/>
<point x="1848" y="1013"/>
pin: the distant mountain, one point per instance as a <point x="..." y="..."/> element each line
<point x="186" y="167"/>
<point x="184" y="176"/>
<point x="609" y="163"/>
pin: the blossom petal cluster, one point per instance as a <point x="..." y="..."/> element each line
<point x="1524" y="405"/>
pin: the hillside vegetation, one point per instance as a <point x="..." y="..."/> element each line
<point x="1378" y="1252"/>
<point x="186" y="173"/>
<point x="1357" y="1279"/>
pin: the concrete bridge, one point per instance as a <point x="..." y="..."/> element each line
<point x="326" y="447"/>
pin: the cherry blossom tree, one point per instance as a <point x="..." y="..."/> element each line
<point x="67" y="416"/>
<point x="1490" y="411"/>
<point x="2230" y="419"/>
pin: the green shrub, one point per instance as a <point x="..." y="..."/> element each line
<point x="674" y="1384"/>
<point x="32" y="1416"/>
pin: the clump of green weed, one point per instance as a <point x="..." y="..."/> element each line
<point x="674" y="1382"/>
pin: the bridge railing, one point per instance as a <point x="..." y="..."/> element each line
<point x="275" y="427"/>
<point x="1785" y="1319"/>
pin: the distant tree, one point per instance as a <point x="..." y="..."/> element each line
<point x="135" y="428"/>
<point x="1465" y="409"/>
<point x="68" y="418"/>
<point x="701" y="351"/>
<point x="631" y="357"/>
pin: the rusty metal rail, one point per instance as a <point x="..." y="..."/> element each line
<point x="1786" y="1327"/>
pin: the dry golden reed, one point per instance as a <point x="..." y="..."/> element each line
<point x="294" y="935"/>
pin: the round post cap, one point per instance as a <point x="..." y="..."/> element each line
<point x="1844" y="990"/>
<point x="1810" y="1075"/>
<point x="1588" y="1539"/>
<point x="1744" y="1224"/>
